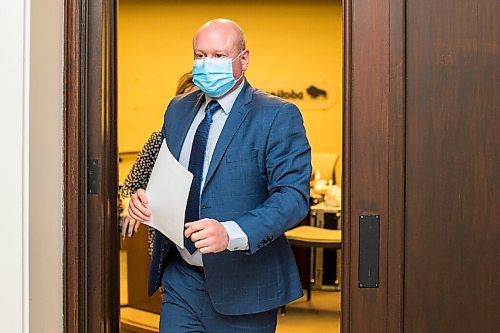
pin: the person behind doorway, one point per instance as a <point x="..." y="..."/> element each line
<point x="251" y="163"/>
<point x="138" y="176"/>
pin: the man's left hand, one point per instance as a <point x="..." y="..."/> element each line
<point x="208" y="235"/>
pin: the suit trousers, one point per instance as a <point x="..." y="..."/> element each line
<point x="186" y="306"/>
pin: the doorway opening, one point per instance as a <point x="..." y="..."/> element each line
<point x="296" y="54"/>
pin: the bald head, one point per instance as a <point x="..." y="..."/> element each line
<point x="225" y="29"/>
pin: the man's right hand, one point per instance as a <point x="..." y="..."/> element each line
<point x="138" y="206"/>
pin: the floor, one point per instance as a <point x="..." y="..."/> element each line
<point x="320" y="315"/>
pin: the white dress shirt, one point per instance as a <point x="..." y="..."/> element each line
<point x="238" y="240"/>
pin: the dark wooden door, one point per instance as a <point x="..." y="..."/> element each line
<point x="452" y="264"/>
<point x="421" y="135"/>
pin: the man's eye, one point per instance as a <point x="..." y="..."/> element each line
<point x="199" y="56"/>
<point x="219" y="55"/>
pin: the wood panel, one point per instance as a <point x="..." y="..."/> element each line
<point x="102" y="211"/>
<point x="74" y="177"/>
<point x="453" y="185"/>
<point x="396" y="166"/>
<point x="374" y="157"/>
<point x="366" y="107"/>
<point x="91" y="276"/>
<point x="346" y="172"/>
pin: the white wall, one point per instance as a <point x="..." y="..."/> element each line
<point x="46" y="165"/>
<point x="14" y="59"/>
<point x="31" y="35"/>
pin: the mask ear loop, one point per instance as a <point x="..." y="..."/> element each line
<point x="242" y="72"/>
<point x="239" y="55"/>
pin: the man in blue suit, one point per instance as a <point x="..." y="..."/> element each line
<point x="251" y="163"/>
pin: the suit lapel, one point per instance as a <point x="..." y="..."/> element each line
<point x="183" y="124"/>
<point x="236" y="117"/>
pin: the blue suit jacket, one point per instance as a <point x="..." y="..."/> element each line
<point x="259" y="177"/>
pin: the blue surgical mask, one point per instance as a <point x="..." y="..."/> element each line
<point x="214" y="76"/>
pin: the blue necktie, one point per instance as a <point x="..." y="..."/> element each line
<point x="196" y="168"/>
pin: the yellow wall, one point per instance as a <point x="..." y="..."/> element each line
<point x="288" y="42"/>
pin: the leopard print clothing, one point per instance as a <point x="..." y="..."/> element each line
<point x="138" y="177"/>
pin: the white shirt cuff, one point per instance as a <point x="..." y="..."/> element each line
<point x="238" y="240"/>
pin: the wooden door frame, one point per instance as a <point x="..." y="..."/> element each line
<point x="373" y="181"/>
<point x="91" y="238"/>
<point x="89" y="96"/>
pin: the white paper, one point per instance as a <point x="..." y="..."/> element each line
<point x="167" y="192"/>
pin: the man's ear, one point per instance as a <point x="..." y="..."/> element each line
<point x="245" y="59"/>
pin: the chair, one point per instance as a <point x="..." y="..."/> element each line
<point x="313" y="237"/>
